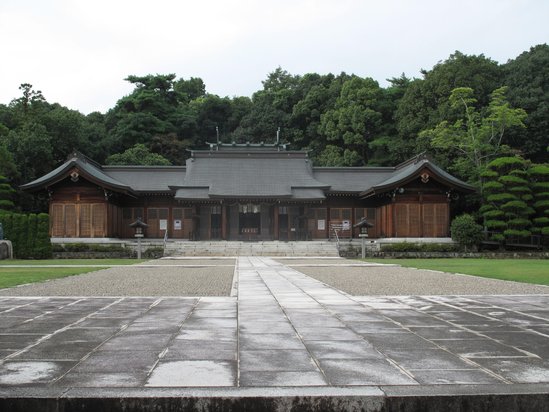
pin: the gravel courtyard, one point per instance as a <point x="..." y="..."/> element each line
<point x="214" y="277"/>
<point x="362" y="279"/>
<point x="154" y="278"/>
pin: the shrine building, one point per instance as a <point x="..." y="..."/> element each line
<point x="248" y="192"/>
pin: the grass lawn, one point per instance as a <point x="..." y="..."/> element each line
<point x="519" y="270"/>
<point x="47" y="262"/>
<point x="17" y="276"/>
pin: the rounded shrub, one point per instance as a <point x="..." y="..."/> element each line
<point x="466" y="231"/>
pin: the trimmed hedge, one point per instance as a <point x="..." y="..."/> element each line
<point x="29" y="234"/>
<point x="88" y="247"/>
<point x="419" y="247"/>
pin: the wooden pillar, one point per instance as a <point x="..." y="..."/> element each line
<point x="77" y="212"/>
<point x="223" y="222"/>
<point x="105" y="220"/>
<point x="170" y="221"/>
<point x="421" y="227"/>
<point x="275" y="220"/>
<point x="328" y="221"/>
<point x="353" y="214"/>
<point x="391" y="214"/>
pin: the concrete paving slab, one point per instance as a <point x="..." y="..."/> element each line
<point x="195" y="353"/>
<point x="256" y="341"/>
<point x="337" y="349"/>
<point x="518" y="370"/>
<point x="193" y="373"/>
<point x="453" y="377"/>
<point x="276" y="360"/>
<point x="101" y="379"/>
<point x="115" y="361"/>
<point x="480" y="348"/>
<point x="283" y="379"/>
<point x="412" y="358"/>
<point x="32" y="372"/>
<point x="364" y="372"/>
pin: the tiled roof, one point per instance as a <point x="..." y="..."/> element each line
<point x="411" y="170"/>
<point x="87" y="168"/>
<point x="248" y="174"/>
<point x="251" y="175"/>
<point x="147" y="178"/>
<point x="351" y="179"/>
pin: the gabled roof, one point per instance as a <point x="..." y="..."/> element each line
<point x="250" y="174"/>
<point x="256" y="173"/>
<point x="89" y="169"/>
<point x="412" y="169"/>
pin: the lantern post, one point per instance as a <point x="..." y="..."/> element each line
<point x="138" y="226"/>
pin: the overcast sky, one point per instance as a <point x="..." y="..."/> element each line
<point x="78" y="52"/>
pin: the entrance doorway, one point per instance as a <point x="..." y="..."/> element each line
<point x="283" y="222"/>
<point x="249" y="221"/>
<point x="215" y="222"/>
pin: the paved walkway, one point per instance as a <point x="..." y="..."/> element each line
<point x="283" y="329"/>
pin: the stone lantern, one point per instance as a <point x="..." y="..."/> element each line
<point x="363" y="225"/>
<point x="138" y="226"/>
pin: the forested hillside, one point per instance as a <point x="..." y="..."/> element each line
<point x="465" y="111"/>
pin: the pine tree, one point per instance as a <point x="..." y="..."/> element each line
<point x="539" y="179"/>
<point x="506" y="211"/>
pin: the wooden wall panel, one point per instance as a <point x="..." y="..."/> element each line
<point x="316" y="214"/>
<point x="428" y="219"/>
<point x="414" y="220"/>
<point x="442" y="211"/>
<point x="70" y="220"/>
<point x="85" y="220"/>
<point x="99" y="220"/>
<point x="57" y="213"/>
<point x="401" y="220"/>
<point x="78" y="219"/>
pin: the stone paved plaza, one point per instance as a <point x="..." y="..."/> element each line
<point x="281" y="329"/>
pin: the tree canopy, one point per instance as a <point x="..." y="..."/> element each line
<point x="341" y="119"/>
<point x="138" y="155"/>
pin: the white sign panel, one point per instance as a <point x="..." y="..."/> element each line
<point x="163" y="224"/>
<point x="321" y="224"/>
<point x="177" y="224"/>
<point x="346" y="225"/>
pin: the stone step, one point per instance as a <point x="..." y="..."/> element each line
<point x="237" y="248"/>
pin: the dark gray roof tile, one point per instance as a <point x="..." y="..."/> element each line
<point x="148" y="178"/>
<point x="351" y="179"/>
